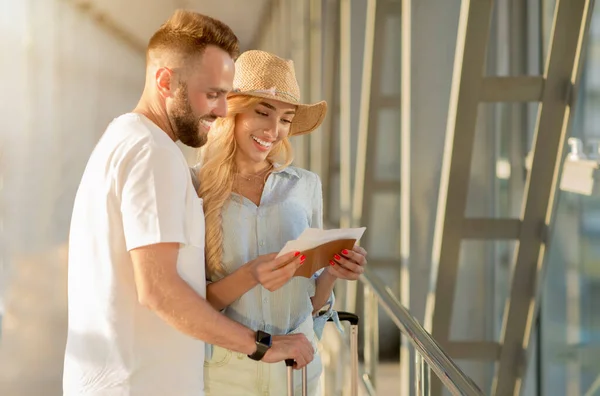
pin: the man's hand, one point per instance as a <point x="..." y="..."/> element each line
<point x="273" y="272"/>
<point x="349" y="264"/>
<point x="293" y="346"/>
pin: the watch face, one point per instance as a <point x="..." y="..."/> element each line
<point x="263" y="338"/>
<point x="263" y="343"/>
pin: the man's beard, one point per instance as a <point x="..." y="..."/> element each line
<point x="186" y="125"/>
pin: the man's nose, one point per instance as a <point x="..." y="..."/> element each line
<point x="221" y="109"/>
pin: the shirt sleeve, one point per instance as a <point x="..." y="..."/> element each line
<point x="317" y="215"/>
<point x="317" y="204"/>
<point x="152" y="197"/>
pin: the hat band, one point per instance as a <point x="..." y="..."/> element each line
<point x="271" y="91"/>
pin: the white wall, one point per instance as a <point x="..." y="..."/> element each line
<point x="63" y="78"/>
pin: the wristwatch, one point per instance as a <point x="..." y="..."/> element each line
<point x="263" y="343"/>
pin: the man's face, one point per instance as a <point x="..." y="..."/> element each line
<point x="201" y="96"/>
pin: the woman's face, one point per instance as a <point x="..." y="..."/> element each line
<point x="259" y="129"/>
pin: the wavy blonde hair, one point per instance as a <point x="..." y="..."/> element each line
<point x="217" y="171"/>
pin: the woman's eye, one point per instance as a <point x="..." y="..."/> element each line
<point x="213" y="95"/>
<point x="286" y="121"/>
<point x="262" y="113"/>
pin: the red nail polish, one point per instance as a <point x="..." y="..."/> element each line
<point x="302" y="258"/>
<point x="345" y="251"/>
<point x="296" y="254"/>
<point x="331" y="262"/>
<point x="337" y="257"/>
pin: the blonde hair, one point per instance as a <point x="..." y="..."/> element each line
<point x="188" y="33"/>
<point x="217" y="173"/>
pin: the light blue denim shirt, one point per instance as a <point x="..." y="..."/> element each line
<point x="291" y="202"/>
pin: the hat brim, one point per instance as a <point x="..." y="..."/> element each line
<point x="308" y="116"/>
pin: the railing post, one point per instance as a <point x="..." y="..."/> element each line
<point x="354" y="364"/>
<point x="422" y="376"/>
<point x="371" y="334"/>
<point x="457" y="382"/>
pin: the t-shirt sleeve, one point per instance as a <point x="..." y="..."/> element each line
<point x="152" y="197"/>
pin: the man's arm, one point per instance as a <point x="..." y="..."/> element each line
<point x="161" y="289"/>
<point x="225" y="291"/>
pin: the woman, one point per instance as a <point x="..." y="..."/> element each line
<point x="254" y="203"/>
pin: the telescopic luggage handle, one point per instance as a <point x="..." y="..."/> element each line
<point x="343" y="317"/>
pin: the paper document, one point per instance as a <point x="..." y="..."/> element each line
<point x="319" y="246"/>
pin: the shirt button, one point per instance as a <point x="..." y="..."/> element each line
<point x="261" y="243"/>
<point x="265" y="300"/>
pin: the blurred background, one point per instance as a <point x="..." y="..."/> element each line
<point x="68" y="67"/>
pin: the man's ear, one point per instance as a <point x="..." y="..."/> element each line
<point x="165" y="82"/>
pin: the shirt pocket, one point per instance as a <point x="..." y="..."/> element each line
<point x="218" y="357"/>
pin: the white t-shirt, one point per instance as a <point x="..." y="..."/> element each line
<point x="136" y="190"/>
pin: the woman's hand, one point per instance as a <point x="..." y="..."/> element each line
<point x="273" y="272"/>
<point x="349" y="264"/>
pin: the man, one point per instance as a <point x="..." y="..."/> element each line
<point x="137" y="313"/>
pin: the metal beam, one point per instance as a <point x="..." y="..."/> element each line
<point x="345" y="114"/>
<point x="345" y="134"/>
<point x="392" y="102"/>
<point x="362" y="149"/>
<point x="473" y="31"/>
<point x="407" y="354"/>
<point x="491" y="228"/>
<point x="570" y="28"/>
<point x="512" y="89"/>
<point x="480" y="350"/>
<point x="471" y="44"/>
<point x="317" y="140"/>
<point x="331" y="64"/>
<point x="363" y="167"/>
<point x="295" y="44"/>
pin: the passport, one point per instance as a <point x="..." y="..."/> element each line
<point x="319" y="246"/>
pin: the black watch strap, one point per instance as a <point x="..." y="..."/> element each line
<point x="263" y="343"/>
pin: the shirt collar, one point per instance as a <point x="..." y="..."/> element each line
<point x="288" y="170"/>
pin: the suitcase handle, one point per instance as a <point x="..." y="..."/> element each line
<point x="353" y="319"/>
<point x="290" y="378"/>
<point x="346" y="317"/>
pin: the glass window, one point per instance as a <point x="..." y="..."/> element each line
<point x="570" y="317"/>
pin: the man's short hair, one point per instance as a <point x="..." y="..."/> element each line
<point x="187" y="33"/>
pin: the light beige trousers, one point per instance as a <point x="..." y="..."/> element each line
<point x="229" y="373"/>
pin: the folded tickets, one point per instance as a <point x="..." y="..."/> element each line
<point x="319" y="246"/>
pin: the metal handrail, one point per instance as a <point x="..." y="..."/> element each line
<point x="444" y="367"/>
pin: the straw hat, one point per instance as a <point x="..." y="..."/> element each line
<point x="264" y="75"/>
